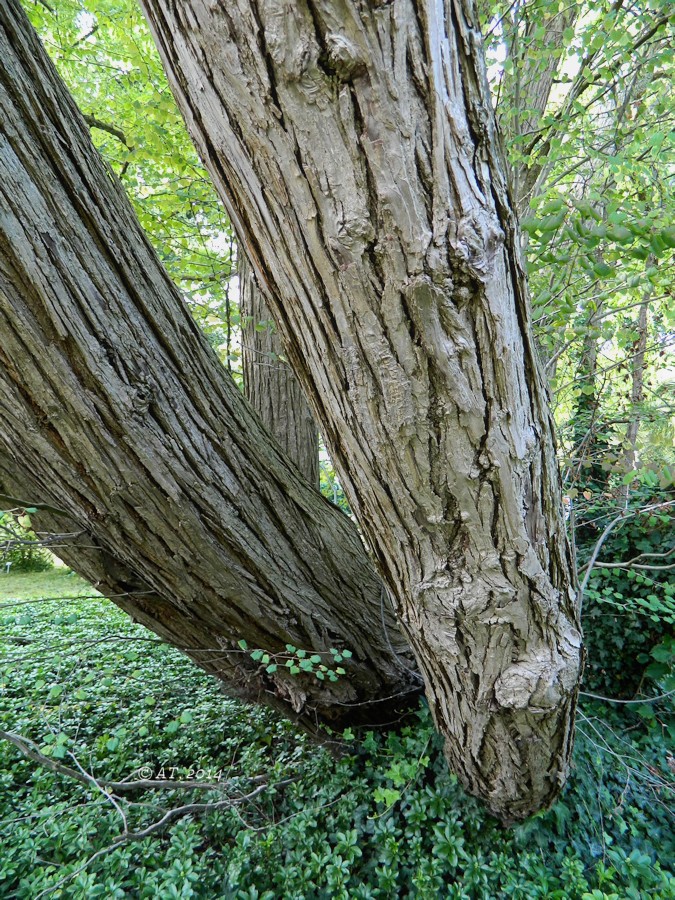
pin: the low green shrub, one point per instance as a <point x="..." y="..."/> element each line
<point x="627" y="610"/>
<point x="20" y="550"/>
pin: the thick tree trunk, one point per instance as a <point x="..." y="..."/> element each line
<point x="269" y="383"/>
<point x="238" y="675"/>
<point x="112" y="403"/>
<point x="355" y="149"/>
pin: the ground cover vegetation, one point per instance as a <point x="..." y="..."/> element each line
<point x="375" y="813"/>
<point x="368" y="815"/>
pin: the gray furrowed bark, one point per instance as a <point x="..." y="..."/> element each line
<point x="355" y="147"/>
<point x="114" y="407"/>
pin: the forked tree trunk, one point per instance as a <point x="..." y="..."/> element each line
<point x="114" y="409"/>
<point x="269" y="383"/>
<point x="355" y="148"/>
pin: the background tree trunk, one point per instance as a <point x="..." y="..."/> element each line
<point x="269" y="383"/>
<point x="356" y="153"/>
<point x="637" y="388"/>
<point x="113" y="405"/>
<point x="589" y="445"/>
<point x="526" y="87"/>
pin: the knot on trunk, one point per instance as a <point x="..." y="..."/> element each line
<point x="537" y="683"/>
<point x="343" y="57"/>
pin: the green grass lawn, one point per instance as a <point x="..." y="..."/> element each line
<point x="56" y="582"/>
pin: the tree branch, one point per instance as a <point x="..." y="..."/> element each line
<point x="93" y="122"/>
<point x="30" y="749"/>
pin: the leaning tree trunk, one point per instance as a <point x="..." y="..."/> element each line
<point x="355" y="148"/>
<point x="269" y="383"/>
<point x="113" y="404"/>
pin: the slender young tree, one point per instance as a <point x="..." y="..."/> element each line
<point x="525" y="89"/>
<point x="637" y="389"/>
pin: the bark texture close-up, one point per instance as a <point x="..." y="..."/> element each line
<point x="356" y="151"/>
<point x="114" y="409"/>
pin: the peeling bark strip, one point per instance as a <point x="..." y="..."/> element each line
<point x="114" y="406"/>
<point x="269" y="383"/>
<point x="354" y="145"/>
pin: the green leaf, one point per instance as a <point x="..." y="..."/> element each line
<point x="602" y="270"/>
<point x="620" y="234"/>
<point x="663" y="653"/>
<point x="388" y="796"/>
